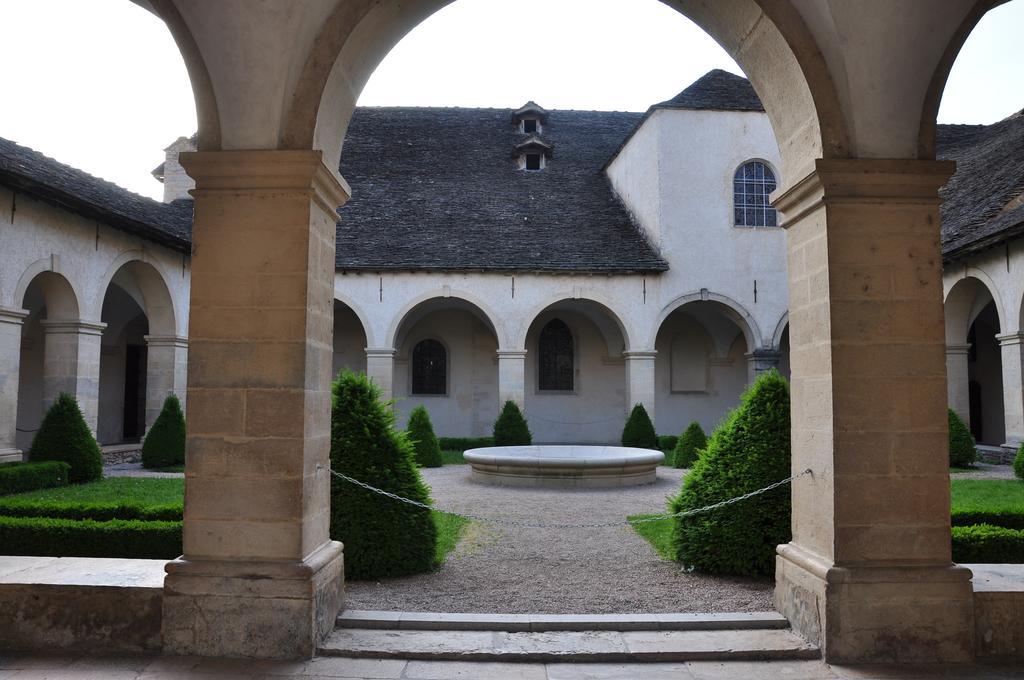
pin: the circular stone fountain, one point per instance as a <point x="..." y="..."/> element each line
<point x="564" y="466"/>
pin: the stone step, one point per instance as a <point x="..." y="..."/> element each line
<point x="596" y="646"/>
<point x="541" y="623"/>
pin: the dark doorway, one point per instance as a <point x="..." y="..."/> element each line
<point x="134" y="392"/>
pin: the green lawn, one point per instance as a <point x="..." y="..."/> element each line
<point x="142" y="490"/>
<point x="658" y="534"/>
<point x="450" y="457"/>
<point x="449" y="531"/>
<point x="987" y="494"/>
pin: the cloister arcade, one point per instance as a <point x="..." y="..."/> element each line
<point x="852" y="97"/>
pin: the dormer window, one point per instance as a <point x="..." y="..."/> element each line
<point x="530" y="118"/>
<point x="530" y="126"/>
<point x="533" y="154"/>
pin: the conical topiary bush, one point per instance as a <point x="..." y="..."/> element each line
<point x="164" y="445"/>
<point x="749" y="450"/>
<point x="382" y="537"/>
<point x="639" y="430"/>
<point x="510" y="429"/>
<point x="424" y="441"/>
<point x="961" y="444"/>
<point x="691" y="441"/>
<point x="64" y="436"/>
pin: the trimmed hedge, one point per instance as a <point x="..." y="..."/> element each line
<point x="690" y="443"/>
<point x="464" y="443"/>
<point x="749" y="450"/>
<point x="1018" y="463"/>
<point x="383" y="537"/>
<point x="19" y="477"/>
<point x="510" y="429"/>
<point x="64" y="436"/>
<point x="667" y="442"/>
<point x="424" y="441"/>
<point x="164" y="445"/>
<point x="100" y="512"/>
<point x="639" y="430"/>
<point x="962" y="451"/>
<point x="87" y="538"/>
<point x="984" y="543"/>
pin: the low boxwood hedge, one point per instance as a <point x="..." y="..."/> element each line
<point x="1005" y="518"/>
<point x="20" y="477"/>
<point x="985" y="543"/>
<point x="49" y="537"/>
<point x="464" y="443"/>
<point x="667" y="442"/>
<point x="100" y="512"/>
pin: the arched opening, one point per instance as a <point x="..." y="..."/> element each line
<point x="48" y="363"/>
<point x="575" y="374"/>
<point x="446" y="361"/>
<point x="701" y="367"/>
<point x="974" y="359"/>
<point x="141" y="358"/>
<point x="349" y="341"/>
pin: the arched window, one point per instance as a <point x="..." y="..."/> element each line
<point x="429" y="368"/>
<point x="555" y="357"/>
<point x="752" y="184"/>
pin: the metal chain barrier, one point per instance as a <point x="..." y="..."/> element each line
<point x="601" y="525"/>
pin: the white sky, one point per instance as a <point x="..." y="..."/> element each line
<point x="100" y="84"/>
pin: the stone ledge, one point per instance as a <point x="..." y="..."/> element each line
<point x="998" y="611"/>
<point x="80" y="604"/>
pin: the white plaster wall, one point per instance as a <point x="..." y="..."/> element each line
<point x="636" y="178"/>
<point x="349" y="341"/>
<point x="1001" y="269"/>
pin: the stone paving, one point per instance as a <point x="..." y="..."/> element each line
<point x="172" y="668"/>
<point x="135" y="470"/>
<point x="985" y="471"/>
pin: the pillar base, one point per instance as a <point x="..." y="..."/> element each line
<point x="254" y="610"/>
<point x="881" y="614"/>
<point x="11" y="456"/>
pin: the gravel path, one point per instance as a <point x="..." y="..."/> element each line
<point x="578" y="571"/>
<point x="985" y="471"/>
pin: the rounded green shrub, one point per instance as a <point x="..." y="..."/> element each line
<point x="749" y="450"/>
<point x="690" y="443"/>
<point x="382" y="537"/>
<point x="1018" y="463"/>
<point x="510" y="429"/>
<point x="64" y="436"/>
<point x="961" y="444"/>
<point x="639" y="430"/>
<point x="424" y="441"/>
<point x="164" y="445"/>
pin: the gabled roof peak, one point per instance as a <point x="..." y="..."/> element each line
<point x="533" y="143"/>
<point x="716" y="90"/>
<point x="529" y="108"/>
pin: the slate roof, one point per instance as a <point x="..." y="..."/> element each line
<point x="29" y="172"/>
<point x="989" y="174"/>
<point x="437" y="189"/>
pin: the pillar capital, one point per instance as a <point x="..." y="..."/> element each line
<point x="75" y="326"/>
<point x="861" y="180"/>
<point x="166" y="341"/>
<point x="1007" y="339"/>
<point x="511" y="354"/>
<point x="15" y="316"/>
<point x="382" y="352"/>
<point x="640" y="355"/>
<point x="261" y="171"/>
<point x="958" y="348"/>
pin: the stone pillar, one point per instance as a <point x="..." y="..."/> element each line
<point x="380" y="368"/>
<point x="761" y="361"/>
<point x="512" y="377"/>
<point x="10" y="364"/>
<point x="640" y="386"/>
<point x="71" y="363"/>
<point x="957" y="381"/>
<point x="260" y="576"/>
<point x="1012" y="346"/>
<point x="166" y="372"/>
<point x="868" y="573"/>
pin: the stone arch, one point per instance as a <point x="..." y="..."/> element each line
<point x="964" y="302"/>
<point x="62" y="296"/>
<point x="150" y="290"/>
<point x="770" y="43"/>
<point x="780" y="329"/>
<point x="600" y="302"/>
<point x="482" y="309"/>
<point x="360" y="314"/>
<point x="733" y="310"/>
<point x="933" y="96"/>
